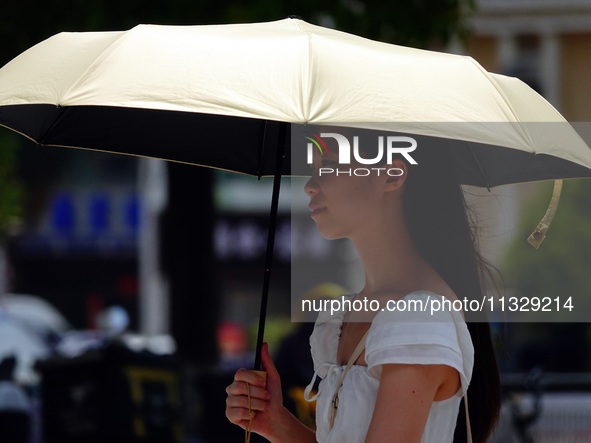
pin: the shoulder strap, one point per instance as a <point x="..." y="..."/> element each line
<point x="468" y="426"/>
<point x="354" y="356"/>
<point x="356" y="353"/>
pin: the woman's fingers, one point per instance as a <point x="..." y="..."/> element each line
<point x="238" y="393"/>
<point x="240" y="388"/>
<point x="250" y="377"/>
<point x="242" y="402"/>
<point x="265" y="398"/>
<point x="238" y="405"/>
<point x="238" y="416"/>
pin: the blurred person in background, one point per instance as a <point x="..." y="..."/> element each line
<point x="233" y="346"/>
<point x="14" y="405"/>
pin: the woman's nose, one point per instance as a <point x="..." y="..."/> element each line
<point x="311" y="187"/>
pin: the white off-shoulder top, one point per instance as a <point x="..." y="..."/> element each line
<point x="403" y="337"/>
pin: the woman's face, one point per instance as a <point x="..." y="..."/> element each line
<point x="344" y="203"/>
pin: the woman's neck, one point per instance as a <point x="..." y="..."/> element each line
<point x="392" y="263"/>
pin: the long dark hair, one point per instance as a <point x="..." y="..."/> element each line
<point x="441" y="228"/>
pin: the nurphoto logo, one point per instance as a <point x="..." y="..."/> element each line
<point x="387" y="146"/>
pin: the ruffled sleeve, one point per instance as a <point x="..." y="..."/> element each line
<point x="415" y="336"/>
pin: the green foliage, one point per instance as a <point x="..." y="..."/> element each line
<point x="277" y="328"/>
<point x="562" y="264"/>
<point x="418" y="23"/>
<point x="10" y="186"/>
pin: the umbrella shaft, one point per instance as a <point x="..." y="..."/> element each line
<point x="280" y="154"/>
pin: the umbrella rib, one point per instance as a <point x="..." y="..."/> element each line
<point x="480" y="168"/>
<point x="262" y="149"/>
<point x="93" y="63"/>
<point x="506" y="100"/>
<point x="62" y="110"/>
<point x="307" y="79"/>
<point x="28" y="137"/>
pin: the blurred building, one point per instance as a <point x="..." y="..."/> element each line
<point x="546" y="43"/>
<point x="78" y="245"/>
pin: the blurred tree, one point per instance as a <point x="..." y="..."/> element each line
<point x="420" y="23"/>
<point x="417" y="23"/>
<point x="10" y="185"/>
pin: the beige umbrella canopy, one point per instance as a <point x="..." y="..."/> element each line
<point x="223" y="96"/>
<point x="157" y="90"/>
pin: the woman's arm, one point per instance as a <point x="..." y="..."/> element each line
<point x="404" y="400"/>
<point x="271" y="420"/>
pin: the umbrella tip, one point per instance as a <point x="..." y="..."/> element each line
<point x="296" y="17"/>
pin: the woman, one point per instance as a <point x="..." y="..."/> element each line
<point x="414" y="239"/>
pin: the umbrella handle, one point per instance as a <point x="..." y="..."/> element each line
<point x="537" y="237"/>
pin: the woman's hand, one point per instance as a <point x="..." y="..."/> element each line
<point x="271" y="419"/>
<point x="266" y="400"/>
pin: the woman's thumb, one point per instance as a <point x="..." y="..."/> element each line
<point x="269" y="367"/>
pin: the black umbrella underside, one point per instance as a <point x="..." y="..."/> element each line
<point x="239" y="144"/>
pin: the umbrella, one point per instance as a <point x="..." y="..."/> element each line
<point x="223" y="96"/>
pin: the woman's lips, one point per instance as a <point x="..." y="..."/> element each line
<point x="316" y="209"/>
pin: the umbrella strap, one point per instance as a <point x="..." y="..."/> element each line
<point x="251" y="413"/>
<point x="468" y="425"/>
<point x="537" y="237"/>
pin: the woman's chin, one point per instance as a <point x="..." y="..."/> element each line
<point x="329" y="234"/>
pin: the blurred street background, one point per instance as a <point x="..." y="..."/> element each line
<point x="130" y="287"/>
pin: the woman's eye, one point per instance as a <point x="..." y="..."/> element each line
<point x="323" y="163"/>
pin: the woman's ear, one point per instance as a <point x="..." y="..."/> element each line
<point x="396" y="175"/>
